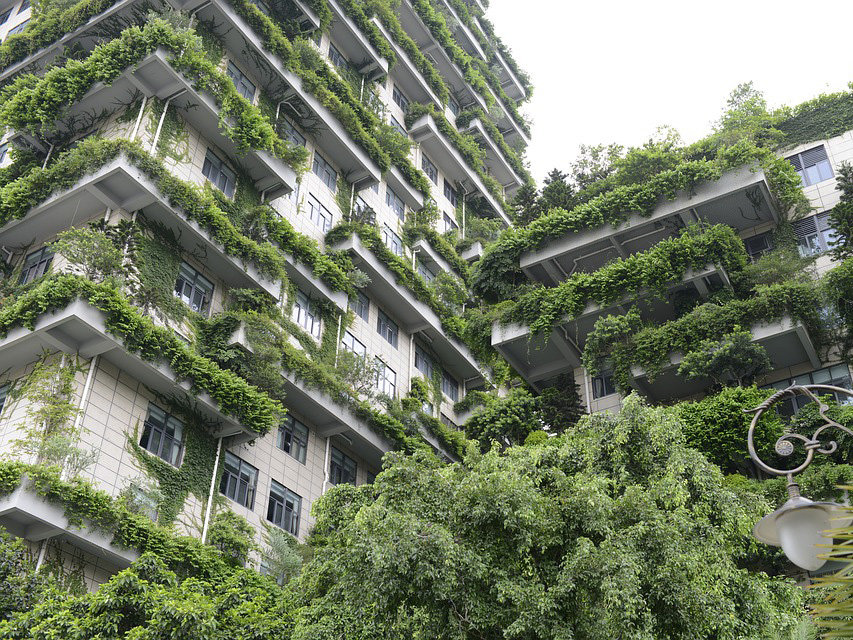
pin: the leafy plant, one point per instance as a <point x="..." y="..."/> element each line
<point x="733" y="359"/>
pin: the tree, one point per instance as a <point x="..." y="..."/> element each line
<point x="841" y="217"/>
<point x="594" y="164"/>
<point x="734" y="359"/>
<point x="615" y="529"/>
<point x="91" y="252"/>
<point x="557" y="193"/>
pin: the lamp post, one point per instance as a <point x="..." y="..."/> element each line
<point x="798" y="526"/>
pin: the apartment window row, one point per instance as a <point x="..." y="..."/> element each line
<point x="306" y="314"/>
<point x="388" y="329"/>
<point x="386" y="380"/>
<point x="429" y="169"/>
<point x="837" y="376"/>
<point x="342" y="468"/>
<point x="400" y="99"/>
<point x="36" y="264"/>
<point x="425" y="364"/>
<point x="757" y="246"/>
<point x="425" y="272"/>
<point x="815" y="235"/>
<point x="449" y="223"/>
<point x="338" y="58"/>
<point x="292" y="134"/>
<point x="450" y="193"/>
<point x="244" y="86"/>
<point x="352" y="344"/>
<point x="360" y="304"/>
<point x="328" y="176"/>
<point x="812" y="165"/>
<point x="399" y="128"/>
<point x="395" y="203"/>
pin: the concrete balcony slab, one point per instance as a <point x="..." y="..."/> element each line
<point x="495" y="161"/>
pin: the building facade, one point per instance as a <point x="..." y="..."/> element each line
<point x="280" y="186"/>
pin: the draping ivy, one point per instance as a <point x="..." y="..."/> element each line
<point x="624" y="340"/>
<point x="497" y="275"/>
<point x="649" y="271"/>
<point x="824" y="117"/>
<point x="465" y="118"/>
<point x="251" y="407"/>
<point x="414" y="232"/>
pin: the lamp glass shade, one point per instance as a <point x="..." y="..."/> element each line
<point x="800" y="530"/>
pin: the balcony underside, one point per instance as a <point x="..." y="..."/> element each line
<point x="119" y="185"/>
<point x="495" y="161"/>
<point x="25" y="514"/>
<point x="426" y="132"/>
<point x="80" y="329"/>
<point x="406" y="75"/>
<point x="740" y="199"/>
<point x="354" y="44"/>
<point x="787" y="343"/>
<point x="538" y="359"/>
<point x="413" y="315"/>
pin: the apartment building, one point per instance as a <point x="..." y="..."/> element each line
<point x="161" y="146"/>
<point x="741" y="200"/>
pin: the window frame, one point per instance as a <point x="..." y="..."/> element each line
<point x="228" y="475"/>
<point x="197" y="284"/>
<point x="150" y="427"/>
<point x="213" y="164"/>
<point x="384" y="381"/>
<point x="304" y="307"/>
<point x="388" y="329"/>
<point x="602" y="385"/>
<point x="318" y="214"/>
<point x="429" y="168"/>
<point x="292" y="438"/>
<point x="395" y="203"/>
<point x="241" y="81"/>
<point x="400" y="98"/>
<point x="32" y="270"/>
<point x="352" y="344"/>
<point x="277" y="505"/>
<point x="4" y="395"/>
<point x="450" y="194"/>
<point x="338" y="467"/>
<point x="392" y="240"/>
<point x="798" y="160"/>
<point x="18" y="28"/>
<point x="323" y="169"/>
<point x="449" y="386"/>
<point x="422" y="357"/>
<point x="361" y="303"/>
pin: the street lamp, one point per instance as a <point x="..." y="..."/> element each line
<point x="799" y="525"/>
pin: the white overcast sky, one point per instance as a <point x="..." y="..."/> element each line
<point x="614" y="70"/>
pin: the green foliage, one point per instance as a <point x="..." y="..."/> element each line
<point x="539" y="542"/>
<point x="625" y="342"/>
<point x="282" y="555"/>
<point x="91" y="251"/>
<point x="841" y="217"/>
<point x="50" y="434"/>
<point x="20" y="586"/>
<point x="233" y="536"/>
<point x="149" y="601"/>
<point x="251" y="407"/>
<point x="509" y="154"/>
<point x="420" y="227"/>
<point x="824" y="117"/>
<point x="732" y="359"/>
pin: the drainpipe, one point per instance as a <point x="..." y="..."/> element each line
<point x="588" y="391"/>
<point x="47" y="157"/>
<point x="162" y="119"/>
<point x="87" y="390"/>
<point x="42" y="552"/>
<point x="107" y="215"/>
<point x="338" y="342"/>
<point x="212" y="489"/>
<point x="139" y="118"/>
<point x="415" y="258"/>
<point x="326" y="465"/>
<point x="463" y="213"/>
<point x="361" y="91"/>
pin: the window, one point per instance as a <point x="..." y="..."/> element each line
<point x="425" y="272"/>
<point x="602" y="385"/>
<point x="239" y="480"/>
<point x="449" y="223"/>
<point x="4" y="148"/>
<point x="324" y="170"/>
<point x="342" y="468"/>
<point x="4" y="392"/>
<point x="423" y="362"/>
<point x="193" y="288"/>
<point x="449" y="386"/>
<point x="219" y="174"/>
<point x="454" y="106"/>
<point x="397" y="126"/>
<point x="450" y="193"/>
<point x="400" y="98"/>
<point x="447" y="421"/>
<point x="162" y="435"/>
<point x="429" y="169"/>
<point x="757" y="246"/>
<point x="387" y="328"/>
<point x="364" y="212"/>
<point x="4" y="16"/>
<point x="337" y="57"/>
<point x="386" y="380"/>
<point x="284" y="508"/>
<point x="262" y="6"/>
<point x="244" y="86"/>
<point x="318" y="214"/>
<point x="19" y="28"/>
<point x="395" y="202"/>
<point x="812" y="165"/>
<point x="306" y="315"/>
<point x="36" y="265"/>
<point x="293" y="438"/>
<point x="837" y="376"/>
<point x="815" y="235"/>
<point x="291" y="133"/>
<point x="353" y="344"/>
<point x="392" y="241"/>
<point x="361" y="305"/>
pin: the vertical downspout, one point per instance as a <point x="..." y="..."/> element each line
<point x="42" y="552"/>
<point x="463" y="214"/>
<point x="87" y="390"/>
<point x="326" y="465"/>
<point x="139" y="118"/>
<point x="338" y="342"/>
<point x="47" y="157"/>
<point x="212" y="489"/>
<point x="588" y="391"/>
<point x="162" y="119"/>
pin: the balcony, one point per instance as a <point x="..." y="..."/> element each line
<point x="413" y="315"/>
<point x="25" y="514"/>
<point x="495" y="161"/>
<point x="406" y="74"/>
<point x="430" y="257"/>
<point x="426" y="133"/>
<point x="80" y="328"/>
<point x="740" y="199"/>
<point x="119" y="185"/>
<point x="540" y="358"/>
<point x="473" y="253"/>
<point x="509" y="81"/>
<point x="413" y="198"/>
<point x="281" y="84"/>
<point x="787" y="343"/>
<point x="464" y="36"/>
<point x="352" y="42"/>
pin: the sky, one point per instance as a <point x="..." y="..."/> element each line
<point x="615" y="70"/>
